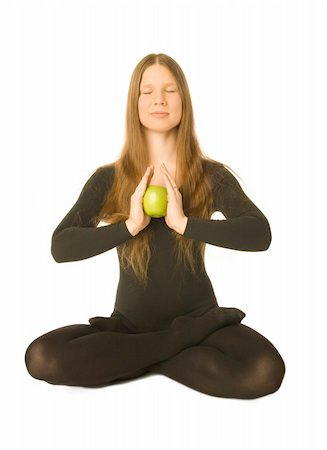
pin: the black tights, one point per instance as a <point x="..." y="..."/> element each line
<point x="213" y="353"/>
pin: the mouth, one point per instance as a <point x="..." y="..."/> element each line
<point x="159" y="114"/>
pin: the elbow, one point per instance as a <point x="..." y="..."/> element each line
<point x="56" y="254"/>
<point x="265" y="235"/>
<point x="56" y="250"/>
<point x="64" y="248"/>
<point x="265" y="244"/>
<point x="55" y="257"/>
<point x="257" y="234"/>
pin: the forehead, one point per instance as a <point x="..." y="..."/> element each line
<point x="163" y="84"/>
<point x="157" y="74"/>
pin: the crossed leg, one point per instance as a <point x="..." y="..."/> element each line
<point x="81" y="355"/>
<point x="234" y="361"/>
<point x="106" y="351"/>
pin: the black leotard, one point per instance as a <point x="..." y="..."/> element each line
<point x="170" y="292"/>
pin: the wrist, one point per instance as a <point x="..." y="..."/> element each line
<point x="132" y="228"/>
<point x="182" y="225"/>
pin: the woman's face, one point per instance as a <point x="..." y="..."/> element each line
<point x="159" y="91"/>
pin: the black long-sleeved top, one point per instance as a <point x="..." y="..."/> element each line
<point x="171" y="291"/>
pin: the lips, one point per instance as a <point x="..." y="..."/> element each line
<point x="159" y="113"/>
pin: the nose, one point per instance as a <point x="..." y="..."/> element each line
<point x="159" y="99"/>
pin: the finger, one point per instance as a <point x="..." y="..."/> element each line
<point x="167" y="182"/>
<point x="144" y="179"/>
<point x="170" y="179"/>
<point x="147" y="173"/>
<point x="170" y="188"/>
<point x="170" y="182"/>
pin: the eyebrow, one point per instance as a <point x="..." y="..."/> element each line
<point x="166" y="84"/>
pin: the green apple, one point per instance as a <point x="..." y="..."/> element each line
<point x="155" y="201"/>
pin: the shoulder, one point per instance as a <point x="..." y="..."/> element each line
<point x="105" y="171"/>
<point x="102" y="175"/>
<point x="100" y="180"/>
<point x="218" y="172"/>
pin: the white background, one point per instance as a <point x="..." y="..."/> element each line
<point x="257" y="75"/>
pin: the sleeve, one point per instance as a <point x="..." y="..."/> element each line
<point x="245" y="228"/>
<point x="77" y="236"/>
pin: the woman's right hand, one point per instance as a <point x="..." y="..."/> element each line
<point x="137" y="219"/>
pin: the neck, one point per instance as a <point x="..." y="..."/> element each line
<point x="161" y="147"/>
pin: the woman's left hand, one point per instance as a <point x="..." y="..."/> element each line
<point x="175" y="217"/>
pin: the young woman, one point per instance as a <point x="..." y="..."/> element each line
<point x="166" y="318"/>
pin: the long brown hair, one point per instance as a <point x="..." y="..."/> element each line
<point x="191" y="167"/>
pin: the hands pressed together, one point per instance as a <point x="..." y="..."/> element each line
<point x="175" y="217"/>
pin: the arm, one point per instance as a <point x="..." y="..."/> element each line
<point x="246" y="227"/>
<point x="77" y="236"/>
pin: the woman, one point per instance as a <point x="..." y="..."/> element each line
<point x="166" y="318"/>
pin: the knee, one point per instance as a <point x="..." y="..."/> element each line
<point x="40" y="362"/>
<point x="265" y="376"/>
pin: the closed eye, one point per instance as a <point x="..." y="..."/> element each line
<point x="150" y="92"/>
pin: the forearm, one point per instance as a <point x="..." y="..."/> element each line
<point x="247" y="233"/>
<point x="77" y="243"/>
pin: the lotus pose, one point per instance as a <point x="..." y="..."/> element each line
<point x="166" y="318"/>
